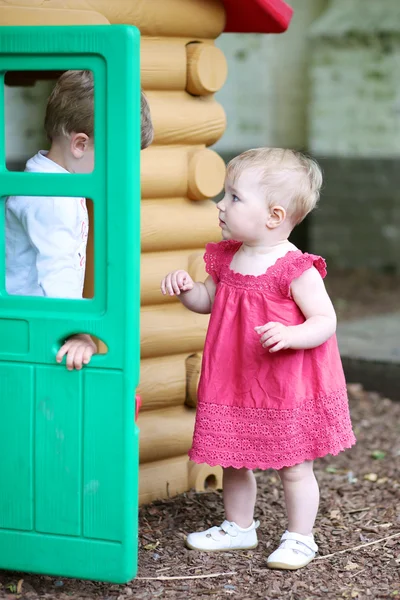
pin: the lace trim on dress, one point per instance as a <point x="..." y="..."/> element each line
<point x="211" y="259"/>
<point x="276" y="279"/>
<point x="297" y="267"/>
<point x="218" y="255"/>
<point x="263" y="438"/>
<point x="266" y="282"/>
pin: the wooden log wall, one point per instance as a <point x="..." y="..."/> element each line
<point x="179" y="175"/>
<point x="164" y="18"/>
<point x="181" y="69"/>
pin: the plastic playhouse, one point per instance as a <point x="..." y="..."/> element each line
<point x="69" y="472"/>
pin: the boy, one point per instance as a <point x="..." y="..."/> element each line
<point x="46" y="237"/>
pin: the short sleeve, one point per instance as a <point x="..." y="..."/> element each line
<point x="219" y="254"/>
<point x="297" y="267"/>
<point x="212" y="258"/>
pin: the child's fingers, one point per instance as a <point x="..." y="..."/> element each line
<point x="78" y="357"/>
<point x="71" y="358"/>
<point x="266" y="336"/>
<point x="176" y="285"/>
<point x="174" y="282"/>
<point x="174" y="288"/>
<point x="87" y="355"/>
<point x="272" y="340"/>
<point x="78" y="354"/>
<point x="62" y="352"/>
<point x="180" y="280"/>
<point x="163" y="290"/>
<point x="279" y="346"/>
<point x="274" y="331"/>
<point x="187" y="283"/>
<point x="263" y="328"/>
<point x="184" y="280"/>
<point x="168" y="284"/>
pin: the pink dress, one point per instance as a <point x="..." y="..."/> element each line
<point x="256" y="409"/>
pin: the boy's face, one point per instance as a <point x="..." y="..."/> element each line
<point x="243" y="212"/>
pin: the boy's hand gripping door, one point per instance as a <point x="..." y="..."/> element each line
<point x="68" y="442"/>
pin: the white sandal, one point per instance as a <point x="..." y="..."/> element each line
<point x="227" y="536"/>
<point x="295" y="551"/>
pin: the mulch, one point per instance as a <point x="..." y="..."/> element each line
<point x="357" y="530"/>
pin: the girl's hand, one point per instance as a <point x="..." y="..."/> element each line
<point x="176" y="282"/>
<point x="275" y="334"/>
<point x="79" y="350"/>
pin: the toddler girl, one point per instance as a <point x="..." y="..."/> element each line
<point x="272" y="393"/>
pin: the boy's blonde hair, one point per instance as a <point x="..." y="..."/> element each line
<point x="70" y="108"/>
<point x="290" y="178"/>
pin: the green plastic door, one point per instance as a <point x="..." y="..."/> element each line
<point x="68" y="441"/>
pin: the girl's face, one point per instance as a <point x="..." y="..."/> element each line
<point x="243" y="211"/>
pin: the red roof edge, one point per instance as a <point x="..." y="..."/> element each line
<point x="257" y="16"/>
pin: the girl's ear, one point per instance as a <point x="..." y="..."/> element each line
<point x="276" y="217"/>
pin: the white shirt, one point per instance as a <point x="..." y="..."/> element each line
<point x="46" y="240"/>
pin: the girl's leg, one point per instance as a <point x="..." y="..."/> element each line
<point x="297" y="547"/>
<point x="301" y="496"/>
<point x="238" y="531"/>
<point x="240" y="490"/>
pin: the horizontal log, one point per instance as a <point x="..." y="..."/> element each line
<point x="163" y="479"/>
<point x="164" y="171"/>
<point x="156" y="18"/>
<point x="197" y="267"/>
<point x="163" y="64"/>
<point x="203" y="478"/>
<point x="181" y="171"/>
<point x="165" y="433"/>
<point x="173" y="64"/>
<point x="167" y="478"/>
<point x="193" y="370"/>
<point x="162" y="381"/>
<point x="207" y="69"/>
<point x="180" y="118"/>
<point x="155" y="265"/>
<point x="35" y="16"/>
<point x="206" y="174"/>
<point x="24" y="15"/>
<point x="171" y="329"/>
<point x="177" y="223"/>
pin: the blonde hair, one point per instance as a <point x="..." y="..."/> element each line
<point x="70" y="108"/>
<point x="290" y="178"/>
